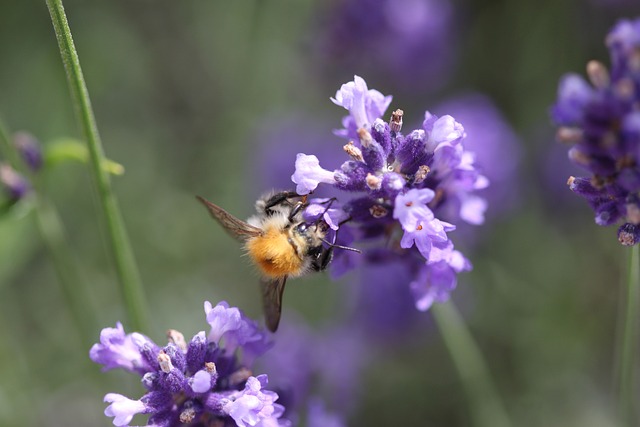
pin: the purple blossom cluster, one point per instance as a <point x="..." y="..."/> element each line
<point x="601" y="121"/>
<point x="204" y="382"/>
<point x="409" y="189"/>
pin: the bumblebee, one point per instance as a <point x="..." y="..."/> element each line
<point x="280" y="243"/>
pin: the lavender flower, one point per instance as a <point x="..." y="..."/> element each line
<point x="602" y="122"/>
<point x="200" y="383"/>
<point x="416" y="183"/>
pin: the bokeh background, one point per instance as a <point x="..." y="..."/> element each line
<point x="216" y="98"/>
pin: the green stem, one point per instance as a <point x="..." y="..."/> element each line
<point x="628" y="354"/>
<point x="487" y="408"/>
<point x="129" y="278"/>
<point x="53" y="234"/>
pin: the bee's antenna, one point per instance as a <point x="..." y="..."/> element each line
<point x="346" y="248"/>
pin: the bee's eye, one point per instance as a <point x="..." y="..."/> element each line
<point x="302" y="227"/>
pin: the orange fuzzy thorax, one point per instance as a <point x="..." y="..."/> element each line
<point x="274" y="254"/>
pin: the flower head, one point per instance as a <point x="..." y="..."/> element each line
<point x="601" y="121"/>
<point x="192" y="383"/>
<point x="419" y="183"/>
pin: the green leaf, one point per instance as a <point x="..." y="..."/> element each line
<point x="69" y="149"/>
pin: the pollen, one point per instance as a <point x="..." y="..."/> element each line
<point x="274" y="255"/>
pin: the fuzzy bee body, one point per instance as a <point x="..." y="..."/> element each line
<point x="279" y="242"/>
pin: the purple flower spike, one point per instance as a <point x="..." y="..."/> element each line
<point x="196" y="383"/>
<point x="420" y="182"/>
<point x="601" y="121"/>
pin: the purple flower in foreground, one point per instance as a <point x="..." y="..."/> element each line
<point x="200" y="383"/>
<point x="402" y="185"/>
<point x="602" y="122"/>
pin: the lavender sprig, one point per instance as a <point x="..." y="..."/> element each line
<point x="205" y="382"/>
<point x="601" y="121"/>
<point x="409" y="190"/>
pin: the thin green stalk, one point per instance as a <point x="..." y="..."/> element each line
<point x="129" y="278"/>
<point x="487" y="408"/>
<point x="52" y="232"/>
<point x="629" y="353"/>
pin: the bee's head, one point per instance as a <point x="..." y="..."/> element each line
<point x="318" y="228"/>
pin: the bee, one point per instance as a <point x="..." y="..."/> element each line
<point x="280" y="243"/>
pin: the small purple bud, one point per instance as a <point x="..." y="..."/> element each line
<point x="583" y="187"/>
<point x="352" y="176"/>
<point x="150" y="380"/>
<point x="372" y="152"/>
<point x="413" y="153"/>
<point x="176" y="355"/>
<point x="196" y="352"/>
<point x="381" y="133"/>
<point x="29" y="149"/>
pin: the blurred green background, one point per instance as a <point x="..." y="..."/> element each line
<point x="180" y="91"/>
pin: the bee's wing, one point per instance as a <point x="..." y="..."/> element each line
<point x="236" y="227"/>
<point x="272" y="290"/>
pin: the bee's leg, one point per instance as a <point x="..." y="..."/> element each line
<point x="297" y="208"/>
<point x="278" y="199"/>
<point x="322" y="261"/>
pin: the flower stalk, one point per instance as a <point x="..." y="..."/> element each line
<point x="629" y="350"/>
<point x="487" y="409"/>
<point x="129" y="278"/>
